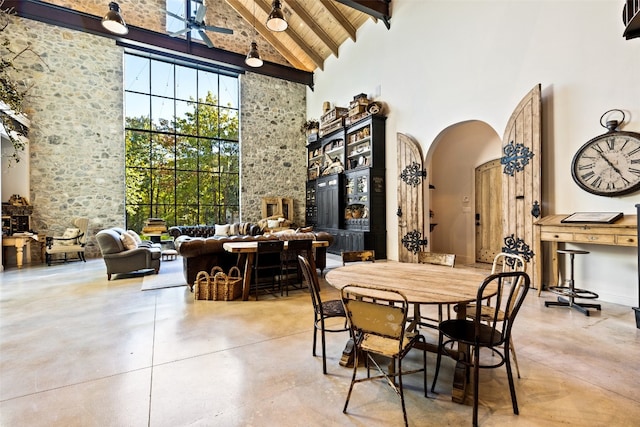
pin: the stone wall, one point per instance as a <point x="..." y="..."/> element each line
<point x="77" y="134"/>
<point x="274" y="159"/>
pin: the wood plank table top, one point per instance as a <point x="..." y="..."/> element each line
<point x="420" y="283"/>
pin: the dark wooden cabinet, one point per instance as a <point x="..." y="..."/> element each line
<point x="346" y="186"/>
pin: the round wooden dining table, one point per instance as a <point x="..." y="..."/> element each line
<point x="420" y="284"/>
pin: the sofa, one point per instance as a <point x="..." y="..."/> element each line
<point x="138" y="255"/>
<point x="202" y="252"/>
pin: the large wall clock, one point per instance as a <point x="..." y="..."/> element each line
<point x="609" y="164"/>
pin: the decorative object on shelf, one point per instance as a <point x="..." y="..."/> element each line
<point x="113" y="21"/>
<point x="310" y="126"/>
<point x="253" y="57"/>
<point x="608" y="165"/>
<point x="18" y="200"/>
<point x="276" y="20"/>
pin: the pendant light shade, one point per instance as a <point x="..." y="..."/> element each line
<point x="253" y="57"/>
<point x="276" y="21"/>
<point x="113" y="21"/>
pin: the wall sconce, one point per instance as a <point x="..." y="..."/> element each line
<point x="276" y="21"/>
<point x="113" y="21"/>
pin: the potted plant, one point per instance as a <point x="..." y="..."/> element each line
<point x="309" y="127"/>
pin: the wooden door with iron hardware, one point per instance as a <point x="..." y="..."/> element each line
<point x="488" y="213"/>
<point x="410" y="213"/>
<point x="521" y="175"/>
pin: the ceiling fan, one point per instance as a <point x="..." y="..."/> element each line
<point x="196" y="22"/>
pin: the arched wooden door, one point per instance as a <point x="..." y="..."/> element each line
<point x="521" y="166"/>
<point x="411" y="236"/>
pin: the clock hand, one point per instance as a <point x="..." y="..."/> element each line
<point x="610" y="164"/>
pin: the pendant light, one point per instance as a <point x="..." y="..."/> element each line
<point x="276" y="21"/>
<point x="253" y="57"/>
<point x="113" y="21"/>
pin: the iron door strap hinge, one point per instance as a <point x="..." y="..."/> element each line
<point x="516" y="157"/>
<point x="413" y="174"/>
<point x="412" y="241"/>
<point x="517" y="246"/>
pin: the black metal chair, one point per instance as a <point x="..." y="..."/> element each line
<point x="322" y="310"/>
<point x="268" y="265"/>
<point x="378" y="318"/>
<point x="291" y="272"/>
<point x="490" y="332"/>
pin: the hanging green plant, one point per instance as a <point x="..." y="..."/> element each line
<point x="13" y="92"/>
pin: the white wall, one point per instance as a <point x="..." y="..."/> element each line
<point x="445" y="62"/>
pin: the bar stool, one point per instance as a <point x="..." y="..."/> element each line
<point x="569" y="293"/>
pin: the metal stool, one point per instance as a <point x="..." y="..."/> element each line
<point x="569" y="293"/>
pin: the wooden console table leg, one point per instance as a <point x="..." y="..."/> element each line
<point x="246" y="283"/>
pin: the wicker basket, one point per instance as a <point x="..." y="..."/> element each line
<point x="218" y="286"/>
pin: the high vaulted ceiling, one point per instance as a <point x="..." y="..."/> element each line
<point x="316" y="28"/>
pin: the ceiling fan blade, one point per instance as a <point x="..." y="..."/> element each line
<point x="206" y="38"/>
<point x="218" y="29"/>
<point x="177" y="33"/>
<point x="173" y="15"/>
<point x="202" y="10"/>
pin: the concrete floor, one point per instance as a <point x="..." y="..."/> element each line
<point x="78" y="350"/>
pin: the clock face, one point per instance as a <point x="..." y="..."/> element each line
<point x="609" y="164"/>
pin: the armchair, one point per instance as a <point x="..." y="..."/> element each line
<point x="118" y="259"/>
<point x="72" y="241"/>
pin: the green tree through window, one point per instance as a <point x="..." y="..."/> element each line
<point x="182" y="144"/>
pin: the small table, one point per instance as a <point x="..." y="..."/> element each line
<point x="551" y="229"/>
<point x="19" y="241"/>
<point x="421" y="284"/>
<point x="246" y="253"/>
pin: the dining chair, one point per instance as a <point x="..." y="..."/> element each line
<point x="322" y="310"/>
<point x="502" y="262"/>
<point x="487" y="332"/>
<point x="267" y="265"/>
<point x="377" y="318"/>
<point x="291" y="272"/>
<point x="448" y="260"/>
<point x="357" y="256"/>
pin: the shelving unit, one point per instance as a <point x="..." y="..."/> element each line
<point x="346" y="186"/>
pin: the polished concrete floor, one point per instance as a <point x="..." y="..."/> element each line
<point x="78" y="350"/>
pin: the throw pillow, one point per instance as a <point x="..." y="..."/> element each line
<point x="135" y="236"/>
<point x="273" y="223"/>
<point x="234" y="229"/>
<point x="222" y="230"/>
<point x="70" y="233"/>
<point x="127" y="241"/>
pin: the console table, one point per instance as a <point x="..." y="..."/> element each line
<point x="19" y="241"/>
<point x="623" y="232"/>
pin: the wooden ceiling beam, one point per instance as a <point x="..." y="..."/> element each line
<point x="338" y="16"/>
<point x="248" y="16"/>
<point x="311" y="23"/>
<point x="68" y="18"/>
<point x="379" y="9"/>
<point x="304" y="46"/>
